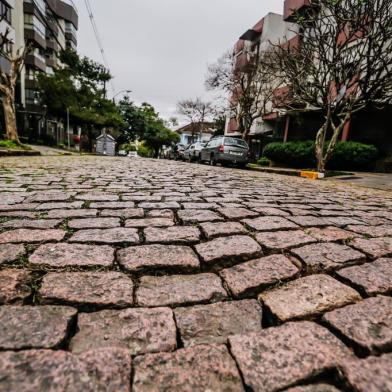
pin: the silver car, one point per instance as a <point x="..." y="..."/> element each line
<point x="226" y="150"/>
<point x="192" y="153"/>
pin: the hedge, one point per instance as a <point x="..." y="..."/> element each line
<point x="347" y="155"/>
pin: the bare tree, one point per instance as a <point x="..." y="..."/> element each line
<point x="197" y="112"/>
<point x="248" y="84"/>
<point x="8" y="81"/>
<point x="342" y="65"/>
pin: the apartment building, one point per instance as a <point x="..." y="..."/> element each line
<point x="280" y="124"/>
<point x="6" y="7"/>
<point x="48" y="26"/>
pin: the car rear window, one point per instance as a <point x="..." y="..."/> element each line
<point x="231" y="141"/>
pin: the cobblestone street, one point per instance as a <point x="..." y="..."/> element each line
<point x="120" y="274"/>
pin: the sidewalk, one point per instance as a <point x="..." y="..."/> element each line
<point x="51" y="151"/>
<point x="381" y="181"/>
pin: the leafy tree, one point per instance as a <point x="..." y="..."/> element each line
<point x="80" y="87"/>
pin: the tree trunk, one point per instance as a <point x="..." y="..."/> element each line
<point x="10" y="118"/>
<point x="320" y="140"/>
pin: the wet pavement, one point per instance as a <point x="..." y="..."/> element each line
<point x="152" y="275"/>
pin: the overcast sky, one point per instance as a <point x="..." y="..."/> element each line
<point x="160" y="49"/>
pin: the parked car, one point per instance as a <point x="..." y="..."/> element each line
<point x="192" y="153"/>
<point x="179" y="152"/>
<point x="225" y="150"/>
<point x="122" y="153"/>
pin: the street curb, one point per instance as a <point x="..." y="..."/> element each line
<point x="271" y="170"/>
<point x="19" y="153"/>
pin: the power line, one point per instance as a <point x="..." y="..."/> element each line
<point x="98" y="39"/>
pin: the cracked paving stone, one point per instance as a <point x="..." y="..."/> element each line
<point x="237" y="213"/>
<point x="368" y="323"/>
<point x="112" y="204"/>
<point x="269" y="223"/>
<point x="10" y="252"/>
<point x="373" y="278"/>
<point x="279" y="357"/>
<point x="177" y="234"/>
<point x="252" y="276"/>
<point x="14" y="286"/>
<point x="228" y="249"/>
<point x="107" y="236"/>
<point x="87" y="289"/>
<point x="198" y="216"/>
<point x="372" y="231"/>
<point x="307" y="297"/>
<point x="139" y="331"/>
<point x="314" y="388"/>
<point x="43" y="370"/>
<point x="160" y="206"/>
<point x="198" y="368"/>
<point x="149" y="222"/>
<point x="28" y="327"/>
<point x="94" y="223"/>
<point x="327" y="256"/>
<point x="212" y="230"/>
<point x="126" y="213"/>
<point x="279" y="240"/>
<point x="32" y="224"/>
<point x="73" y="255"/>
<point x="206" y="324"/>
<point x="77" y="213"/>
<point x="176" y="290"/>
<point x="375" y="247"/>
<point x="158" y="257"/>
<point x="330" y="234"/>
<point x="31" y="236"/>
<point x="372" y="374"/>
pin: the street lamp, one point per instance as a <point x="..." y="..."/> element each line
<point x="120" y="92"/>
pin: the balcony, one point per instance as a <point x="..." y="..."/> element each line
<point x="282" y="97"/>
<point x="293" y="6"/>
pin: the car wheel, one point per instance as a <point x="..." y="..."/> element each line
<point x="212" y="161"/>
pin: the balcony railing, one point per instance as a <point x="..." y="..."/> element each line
<point x="293" y="6"/>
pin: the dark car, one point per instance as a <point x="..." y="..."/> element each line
<point x="226" y="150"/>
<point x="179" y="152"/>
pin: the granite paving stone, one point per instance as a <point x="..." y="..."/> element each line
<point x="32" y="224"/>
<point x="112" y="204"/>
<point x="327" y="256"/>
<point x="228" y="250"/>
<point x="107" y="236"/>
<point x="86" y="289"/>
<point x="308" y="296"/>
<point x="125" y="213"/>
<point x="10" y="252"/>
<point x="216" y="229"/>
<point x="149" y="222"/>
<point x="197" y="216"/>
<point x="31" y="236"/>
<point x="158" y="257"/>
<point x="73" y="255"/>
<point x="250" y="277"/>
<point x="368" y="323"/>
<point x="206" y="324"/>
<point x="139" y="331"/>
<point x="279" y="240"/>
<point x="94" y="223"/>
<point x="46" y="370"/>
<point x="75" y="213"/>
<point x="14" y="286"/>
<point x="170" y="235"/>
<point x="372" y="374"/>
<point x="374" y="247"/>
<point x="330" y="234"/>
<point x="309" y="221"/>
<point x="237" y="213"/>
<point x="178" y="290"/>
<point x="29" y="327"/>
<point x="372" y="231"/>
<point x="314" y="388"/>
<point x="198" y="368"/>
<point x="373" y="278"/>
<point x="277" y="358"/>
<point x="169" y="214"/>
<point x="270" y="223"/>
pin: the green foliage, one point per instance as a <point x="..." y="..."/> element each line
<point x="346" y="156"/>
<point x="353" y="156"/>
<point x="127" y="147"/>
<point x="80" y="86"/>
<point x="145" y="151"/>
<point x="294" y="154"/>
<point x="263" y="161"/>
<point x="11" y="145"/>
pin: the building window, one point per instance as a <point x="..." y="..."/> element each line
<point x="5" y="12"/>
<point x="32" y="22"/>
